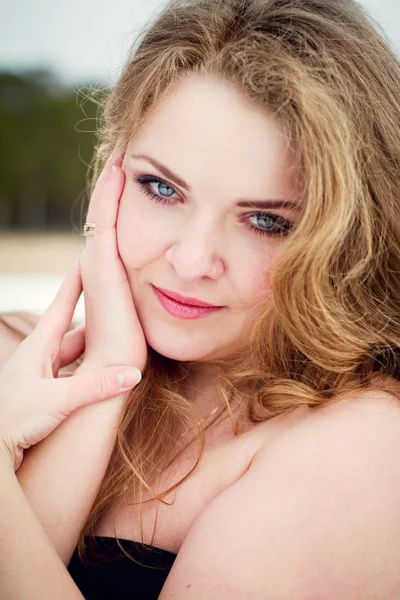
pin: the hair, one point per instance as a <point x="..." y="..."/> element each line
<point x="331" y="324"/>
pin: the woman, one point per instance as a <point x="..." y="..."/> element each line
<point x="255" y="147"/>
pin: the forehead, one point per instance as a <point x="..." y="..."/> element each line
<point x="204" y="125"/>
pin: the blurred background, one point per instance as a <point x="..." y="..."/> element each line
<point x="51" y="55"/>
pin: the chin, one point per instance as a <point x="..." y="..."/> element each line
<point x="174" y="350"/>
<point x="183" y="347"/>
<point x="178" y="356"/>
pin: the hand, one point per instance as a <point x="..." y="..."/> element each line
<point x="113" y="331"/>
<point x="33" y="401"/>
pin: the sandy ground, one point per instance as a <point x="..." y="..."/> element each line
<point x="38" y="252"/>
<point x="32" y="268"/>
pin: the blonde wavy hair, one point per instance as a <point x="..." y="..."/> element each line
<point x="332" y="322"/>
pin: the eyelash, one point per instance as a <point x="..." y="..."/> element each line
<point x="144" y="180"/>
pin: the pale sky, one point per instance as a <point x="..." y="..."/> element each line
<point x="85" y="40"/>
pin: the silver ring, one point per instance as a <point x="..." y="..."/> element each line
<point x="89" y="229"/>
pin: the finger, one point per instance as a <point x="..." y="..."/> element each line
<point x="71" y="349"/>
<point x="115" y="158"/>
<point x="97" y="385"/>
<point x="103" y="210"/>
<point x="72" y="346"/>
<point x="111" y="319"/>
<point x="53" y="325"/>
<point x="59" y="314"/>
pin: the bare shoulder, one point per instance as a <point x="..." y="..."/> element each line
<point x="14" y="328"/>
<point x="316" y="515"/>
<point x="370" y="417"/>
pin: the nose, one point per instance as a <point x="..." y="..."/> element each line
<point x="195" y="254"/>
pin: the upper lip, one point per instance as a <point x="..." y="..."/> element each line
<point x="185" y="299"/>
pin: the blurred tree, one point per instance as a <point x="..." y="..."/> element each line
<point x="47" y="138"/>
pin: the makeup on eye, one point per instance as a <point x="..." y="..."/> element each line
<point x="281" y="226"/>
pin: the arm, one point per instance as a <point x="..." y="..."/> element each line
<point x="58" y="484"/>
<point x="317" y="515"/>
<point x="29" y="566"/>
<point x="61" y="475"/>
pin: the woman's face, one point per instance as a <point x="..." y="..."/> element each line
<point x="196" y="240"/>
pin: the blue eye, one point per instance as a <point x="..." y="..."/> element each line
<point x="275" y="225"/>
<point x="144" y="182"/>
<point x="164" y="185"/>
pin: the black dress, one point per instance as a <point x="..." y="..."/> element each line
<point x="113" y="576"/>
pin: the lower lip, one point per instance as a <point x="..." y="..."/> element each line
<point x="183" y="311"/>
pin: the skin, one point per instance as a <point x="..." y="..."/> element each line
<point x="318" y="542"/>
<point x="201" y="245"/>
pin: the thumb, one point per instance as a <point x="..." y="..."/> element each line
<point x="97" y="385"/>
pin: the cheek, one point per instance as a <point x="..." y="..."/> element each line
<point x="139" y="234"/>
<point x="252" y="275"/>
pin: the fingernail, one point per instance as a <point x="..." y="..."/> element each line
<point x="113" y="172"/>
<point x="128" y="377"/>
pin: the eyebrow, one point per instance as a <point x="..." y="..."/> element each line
<point x="242" y="202"/>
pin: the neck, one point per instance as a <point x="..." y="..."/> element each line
<point x="202" y="387"/>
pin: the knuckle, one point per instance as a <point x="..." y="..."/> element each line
<point x="102" y="384"/>
<point x="65" y="403"/>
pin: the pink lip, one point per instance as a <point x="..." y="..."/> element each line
<point x="183" y="311"/>
<point x="186" y="300"/>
